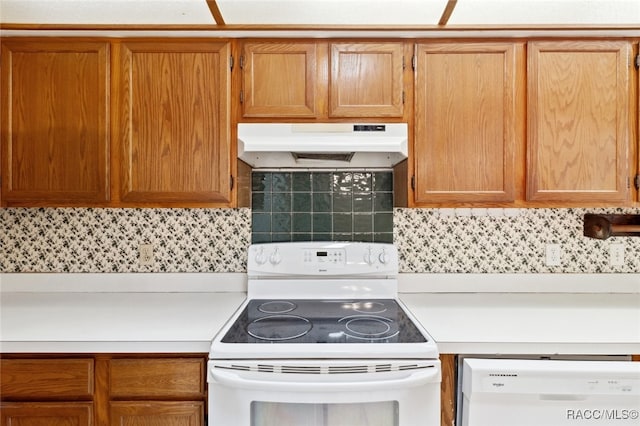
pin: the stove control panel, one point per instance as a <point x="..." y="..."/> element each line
<point x="322" y="258"/>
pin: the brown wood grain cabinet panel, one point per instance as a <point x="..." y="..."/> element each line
<point x="280" y="79"/>
<point x="46" y="414"/>
<point x="149" y="378"/>
<point x="175" y="139"/>
<point x="366" y="80"/>
<point x="157" y="413"/>
<point x="448" y="389"/>
<point x="55" y="107"/>
<point x="578" y="108"/>
<point x="466" y="127"/>
<point x="46" y="378"/>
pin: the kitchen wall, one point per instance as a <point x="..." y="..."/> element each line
<point x="215" y="240"/>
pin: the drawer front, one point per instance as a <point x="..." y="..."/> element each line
<point x="46" y="378"/>
<point x="157" y="377"/>
<point x="144" y="413"/>
<point x="46" y="414"/>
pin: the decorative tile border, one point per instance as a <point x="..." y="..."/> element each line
<point x="106" y="240"/>
<point x="505" y="241"/>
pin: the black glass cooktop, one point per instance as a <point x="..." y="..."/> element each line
<point x="323" y="321"/>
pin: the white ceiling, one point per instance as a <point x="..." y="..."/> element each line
<point x="323" y="12"/>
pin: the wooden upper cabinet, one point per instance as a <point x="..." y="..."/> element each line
<point x="322" y="80"/>
<point x="366" y="80"/>
<point x="174" y="122"/>
<point x="55" y="136"/>
<point x="578" y="110"/>
<point x="280" y="79"/>
<point x="466" y="126"/>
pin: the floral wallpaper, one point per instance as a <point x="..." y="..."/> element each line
<point x="107" y="240"/>
<point x="506" y="241"/>
<point x="216" y="240"/>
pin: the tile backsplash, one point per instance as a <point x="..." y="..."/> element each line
<point x="215" y="240"/>
<point x="322" y="206"/>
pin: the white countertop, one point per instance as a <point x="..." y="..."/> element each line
<point x="139" y="313"/>
<point x="113" y="322"/>
<point x="530" y="323"/>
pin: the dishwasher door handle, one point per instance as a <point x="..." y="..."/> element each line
<point x="561" y="397"/>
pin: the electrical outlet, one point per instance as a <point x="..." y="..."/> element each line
<point x="145" y="254"/>
<point x="616" y="254"/>
<point x="553" y="254"/>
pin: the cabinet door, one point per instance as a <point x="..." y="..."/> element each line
<point x="54" y="122"/>
<point x="46" y="414"/>
<point x="175" y="142"/>
<point x="578" y="103"/>
<point x="366" y="80"/>
<point x="466" y="122"/>
<point x="280" y="79"/>
<point x="157" y="413"/>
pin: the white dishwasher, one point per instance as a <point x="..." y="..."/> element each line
<point x="525" y="392"/>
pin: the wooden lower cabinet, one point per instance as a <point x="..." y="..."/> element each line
<point x="47" y="414"/>
<point x="448" y="363"/>
<point x="103" y="390"/>
<point x="157" y="413"/>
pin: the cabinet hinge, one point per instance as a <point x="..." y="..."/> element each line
<point x="242" y="96"/>
<point x="413" y="62"/>
<point x="403" y="97"/>
<point x="231" y="182"/>
<point x="636" y="182"/>
<point x="231" y="62"/>
<point x="413" y="182"/>
<point x="241" y="62"/>
<point x="638" y="61"/>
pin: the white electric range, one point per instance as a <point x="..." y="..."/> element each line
<point x="323" y="340"/>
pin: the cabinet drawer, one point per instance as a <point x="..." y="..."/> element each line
<point x="157" y="377"/>
<point x="46" y="378"/>
<point x="46" y="413"/>
<point x="143" y="413"/>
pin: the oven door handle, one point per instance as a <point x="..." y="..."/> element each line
<point x="235" y="380"/>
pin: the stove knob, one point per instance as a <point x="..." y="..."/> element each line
<point x="383" y="257"/>
<point x="368" y="256"/>
<point x="275" y="257"/>
<point x="261" y="258"/>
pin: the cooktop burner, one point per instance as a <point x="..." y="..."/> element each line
<point x="323" y="321"/>
<point x="279" y="327"/>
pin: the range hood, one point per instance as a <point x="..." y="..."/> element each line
<point x="322" y="145"/>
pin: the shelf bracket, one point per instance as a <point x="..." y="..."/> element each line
<point x="603" y="226"/>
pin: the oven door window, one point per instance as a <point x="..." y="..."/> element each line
<point x="383" y="413"/>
